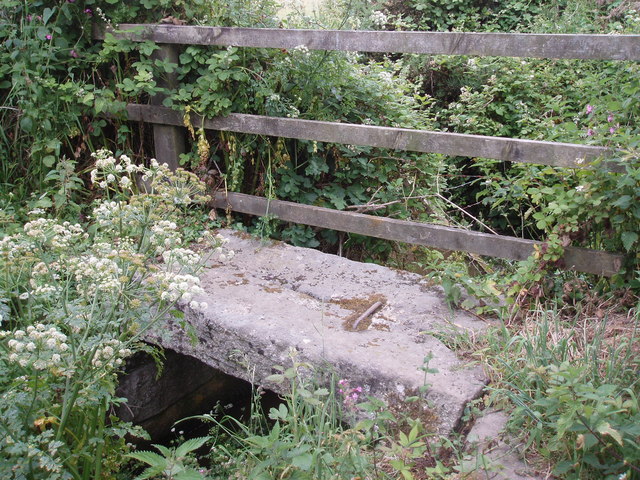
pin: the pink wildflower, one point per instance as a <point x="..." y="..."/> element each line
<point x="591" y="132"/>
<point x="48" y="36"/>
<point x="612" y="130"/>
<point x="73" y="54"/>
<point x="589" y="109"/>
<point x="610" y="118"/>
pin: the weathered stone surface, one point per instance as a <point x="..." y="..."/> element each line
<point x="492" y="453"/>
<point x="272" y="298"/>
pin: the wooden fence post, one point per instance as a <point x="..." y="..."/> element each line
<point x="168" y="140"/>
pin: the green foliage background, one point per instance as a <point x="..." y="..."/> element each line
<point x="62" y="96"/>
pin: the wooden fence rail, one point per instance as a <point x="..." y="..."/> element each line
<point x="455" y="144"/>
<point x="533" y="45"/>
<point x="438" y="236"/>
<point x="601" y="47"/>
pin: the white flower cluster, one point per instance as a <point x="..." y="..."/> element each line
<point x="39" y="229"/>
<point x="95" y="274"/>
<point x="109" y="170"/>
<point x="293" y="112"/>
<point x="110" y="213"/>
<point x="110" y="353"/>
<point x="59" y="235"/>
<point x="223" y="255"/>
<point x="181" y="257"/>
<point x="176" y="287"/>
<point x="379" y="19"/>
<point x="40" y="346"/>
<point x="386" y="77"/>
<point x="125" y="246"/>
<point x="155" y="170"/>
<point x="15" y="247"/>
<point x="164" y="235"/>
<point x="41" y="276"/>
<point x="354" y="23"/>
<point x="67" y="234"/>
<point x="301" y="50"/>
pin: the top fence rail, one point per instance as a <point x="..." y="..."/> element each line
<point x="533" y="45"/>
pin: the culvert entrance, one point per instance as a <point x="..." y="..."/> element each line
<point x="185" y="387"/>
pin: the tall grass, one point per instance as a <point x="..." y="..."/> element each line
<point x="303" y="437"/>
<point x="574" y="384"/>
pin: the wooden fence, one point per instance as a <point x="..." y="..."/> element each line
<point x="169" y="143"/>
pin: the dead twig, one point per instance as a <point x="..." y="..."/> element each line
<point x="370" y="311"/>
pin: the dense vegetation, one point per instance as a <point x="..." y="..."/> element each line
<point x="64" y="201"/>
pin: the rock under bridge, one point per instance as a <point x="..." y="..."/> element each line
<point x="369" y="324"/>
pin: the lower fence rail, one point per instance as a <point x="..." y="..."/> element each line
<point x="437" y="236"/>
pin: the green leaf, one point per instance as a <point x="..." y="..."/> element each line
<point x="189" y="474"/>
<point x="26" y="124"/>
<point x="47" y="14"/>
<point x="191" y="445"/>
<point x="623" y="202"/>
<point x="49" y="161"/>
<point x="303" y="462"/>
<point x="276" y="378"/>
<point x="365" y="424"/>
<point x="606" y="429"/>
<point x="563" y="467"/>
<point x="398" y="464"/>
<point x="150" y="458"/>
<point x="165" y="451"/>
<point x="628" y="240"/>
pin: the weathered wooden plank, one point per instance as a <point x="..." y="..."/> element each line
<point x="168" y="140"/>
<point x="447" y="238"/>
<point x="513" y="150"/>
<point x="579" y="46"/>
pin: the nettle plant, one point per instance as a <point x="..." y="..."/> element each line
<point x="76" y="301"/>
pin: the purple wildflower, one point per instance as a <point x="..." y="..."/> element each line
<point x="591" y="132"/>
<point x="73" y="54"/>
<point x="88" y="11"/>
<point x="612" y="130"/>
<point x="610" y="118"/>
<point x="48" y="36"/>
<point x="589" y="109"/>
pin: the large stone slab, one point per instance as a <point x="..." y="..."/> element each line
<point x="272" y="298"/>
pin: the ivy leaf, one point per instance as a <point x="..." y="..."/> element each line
<point x="628" y="240"/>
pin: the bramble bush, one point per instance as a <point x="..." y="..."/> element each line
<point x="76" y="301"/>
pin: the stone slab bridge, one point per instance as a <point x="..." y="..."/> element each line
<point x="369" y="324"/>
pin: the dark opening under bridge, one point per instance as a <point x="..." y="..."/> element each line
<point x="273" y="297"/>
